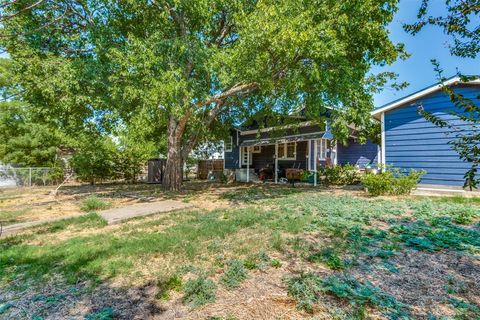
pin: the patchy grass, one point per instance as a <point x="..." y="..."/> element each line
<point x="234" y="275"/>
<point x="199" y="291"/>
<point x="304" y="229"/>
<point x="93" y="203"/>
<point x="12" y="216"/>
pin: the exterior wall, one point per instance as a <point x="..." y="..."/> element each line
<point x="413" y="142"/>
<point x="357" y="154"/>
<point x="266" y="157"/>
<point x="232" y="158"/>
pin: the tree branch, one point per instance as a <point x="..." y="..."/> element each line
<point x="13" y="15"/>
<point x="236" y="89"/>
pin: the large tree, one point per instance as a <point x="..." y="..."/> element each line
<point x="462" y="23"/>
<point x="195" y="64"/>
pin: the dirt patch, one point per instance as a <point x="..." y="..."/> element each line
<point x="425" y="281"/>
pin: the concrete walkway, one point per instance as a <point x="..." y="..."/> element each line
<point x="112" y="216"/>
<point x="118" y="215"/>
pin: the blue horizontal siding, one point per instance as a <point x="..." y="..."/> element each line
<point x="412" y="142"/>
<point x="357" y="154"/>
<point x="232" y="157"/>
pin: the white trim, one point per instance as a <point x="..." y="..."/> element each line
<point x="285" y="152"/>
<point x="248" y="165"/>
<point x="276" y="163"/>
<point x="335" y="159"/>
<point x="294" y="125"/>
<point x="242" y="158"/>
<point x="309" y="154"/>
<point x="382" y="143"/>
<point x="225" y="146"/>
<point x="256" y="151"/>
<point x="239" y="157"/>
<point x="415" y="96"/>
<point x="321" y="148"/>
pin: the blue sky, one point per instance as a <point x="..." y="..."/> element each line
<point x="429" y="44"/>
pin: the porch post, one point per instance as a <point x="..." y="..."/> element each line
<point x="382" y="143"/>
<point x="315" y="162"/>
<point x="276" y="162"/>
<point x="248" y="164"/>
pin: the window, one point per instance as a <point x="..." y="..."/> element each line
<point x="228" y="145"/>
<point x="322" y="149"/>
<point x="256" y="149"/>
<point x="246" y="156"/>
<point x="287" y="151"/>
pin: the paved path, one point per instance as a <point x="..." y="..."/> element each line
<point x="117" y="215"/>
<point x="112" y="216"/>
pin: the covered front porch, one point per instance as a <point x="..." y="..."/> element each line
<point x="271" y="159"/>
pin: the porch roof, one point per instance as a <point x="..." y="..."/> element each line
<point x="295" y="138"/>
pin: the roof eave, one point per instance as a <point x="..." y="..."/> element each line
<point x="417" y="95"/>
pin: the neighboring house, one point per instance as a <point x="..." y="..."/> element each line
<point x="301" y="145"/>
<point x="410" y="141"/>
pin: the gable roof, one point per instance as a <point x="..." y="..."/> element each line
<point x="419" y="94"/>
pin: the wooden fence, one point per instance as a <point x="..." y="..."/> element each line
<point x="205" y="166"/>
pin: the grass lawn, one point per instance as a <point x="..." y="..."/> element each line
<point x="272" y="253"/>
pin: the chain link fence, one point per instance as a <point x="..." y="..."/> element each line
<point x="28" y="177"/>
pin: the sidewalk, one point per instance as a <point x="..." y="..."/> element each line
<point x="112" y="216"/>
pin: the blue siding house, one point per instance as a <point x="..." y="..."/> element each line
<point x="298" y="145"/>
<point x="411" y="141"/>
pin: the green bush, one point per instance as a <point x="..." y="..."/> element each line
<point x="305" y="289"/>
<point x="392" y="181"/>
<point x="361" y="294"/>
<point x="165" y="285"/>
<point x="234" y="275"/>
<point x="93" y="203"/>
<point x="329" y="257"/>
<point x="199" y="291"/>
<point x="340" y="175"/>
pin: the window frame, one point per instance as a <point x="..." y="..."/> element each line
<point x="231" y="145"/>
<point x="285" y="152"/>
<point x="320" y="149"/>
<point x="243" y="156"/>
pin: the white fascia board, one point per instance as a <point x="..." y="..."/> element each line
<point x="415" y="96"/>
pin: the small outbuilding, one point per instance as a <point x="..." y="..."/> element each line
<point x="411" y="141"/>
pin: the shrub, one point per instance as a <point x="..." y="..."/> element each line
<point x="392" y="181"/>
<point x="92" y="203"/>
<point x="329" y="257"/>
<point x="234" y="275"/>
<point x="277" y="242"/>
<point x="340" y="175"/>
<point x="359" y="295"/>
<point x="168" y="284"/>
<point x="275" y="263"/>
<point x="199" y="291"/>
<point x="305" y="289"/>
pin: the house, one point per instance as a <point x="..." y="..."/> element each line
<point x="411" y="141"/>
<point x="299" y="145"/>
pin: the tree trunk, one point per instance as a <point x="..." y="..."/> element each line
<point x="173" y="175"/>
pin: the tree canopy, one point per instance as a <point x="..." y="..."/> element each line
<point x="194" y="66"/>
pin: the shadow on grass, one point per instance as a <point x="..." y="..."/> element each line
<point x="82" y="300"/>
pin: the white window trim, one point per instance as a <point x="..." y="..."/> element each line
<point x="259" y="150"/>
<point x="231" y="145"/>
<point x="285" y="151"/>
<point x="320" y="151"/>
<point x="243" y="153"/>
